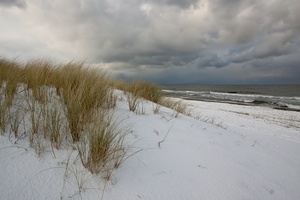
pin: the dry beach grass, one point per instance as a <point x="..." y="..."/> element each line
<point x="71" y="104"/>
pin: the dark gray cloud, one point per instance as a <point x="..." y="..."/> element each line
<point x="179" y="3"/>
<point x="9" y="3"/>
<point x="184" y="41"/>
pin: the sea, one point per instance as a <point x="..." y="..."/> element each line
<point x="284" y="97"/>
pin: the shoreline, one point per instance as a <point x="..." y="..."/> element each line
<point x="259" y="115"/>
<point x="241" y="103"/>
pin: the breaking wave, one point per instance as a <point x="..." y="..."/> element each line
<point x="279" y="102"/>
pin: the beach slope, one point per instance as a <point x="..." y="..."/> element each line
<point x="221" y="151"/>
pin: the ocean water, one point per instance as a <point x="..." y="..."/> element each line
<point x="286" y="97"/>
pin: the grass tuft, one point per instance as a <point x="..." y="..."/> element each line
<point x="83" y="90"/>
<point x="137" y="91"/>
<point x="103" y="145"/>
<point x="177" y="105"/>
<point x="133" y="94"/>
<point x="10" y="76"/>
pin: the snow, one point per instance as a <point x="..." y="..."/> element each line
<point x="224" y="151"/>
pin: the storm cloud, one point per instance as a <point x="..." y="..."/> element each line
<point x="10" y="3"/>
<point x="168" y="41"/>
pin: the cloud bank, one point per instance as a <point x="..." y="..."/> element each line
<point x="166" y="41"/>
<point x="10" y="3"/>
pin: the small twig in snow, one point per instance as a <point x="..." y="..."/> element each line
<point x="160" y="142"/>
<point x="255" y="141"/>
<point x="19" y="147"/>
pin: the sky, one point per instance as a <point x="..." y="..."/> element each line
<point x="162" y="41"/>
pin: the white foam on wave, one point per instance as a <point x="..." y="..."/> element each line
<point x="291" y="102"/>
<point x="251" y="97"/>
<point x="297" y="107"/>
<point x="186" y="92"/>
<point x="243" y="95"/>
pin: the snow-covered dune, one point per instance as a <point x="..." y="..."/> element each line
<point x="224" y="152"/>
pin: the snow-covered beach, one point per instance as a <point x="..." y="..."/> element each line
<point x="224" y="151"/>
<point x="149" y="100"/>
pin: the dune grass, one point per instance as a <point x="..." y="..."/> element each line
<point x="36" y="75"/>
<point x="177" y="105"/>
<point x="137" y="91"/>
<point x="73" y="104"/>
<point x="3" y="118"/>
<point x="84" y="90"/>
<point x="9" y="78"/>
<point x="103" y="145"/>
<point x="60" y="105"/>
<point x="133" y="95"/>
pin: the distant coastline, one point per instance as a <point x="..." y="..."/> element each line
<point x="283" y="97"/>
